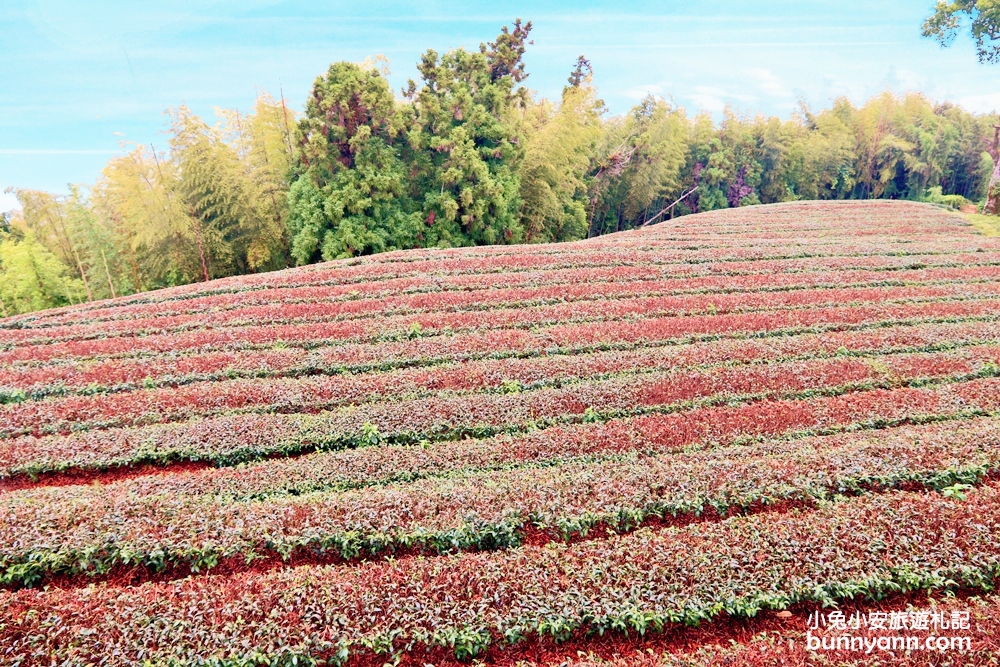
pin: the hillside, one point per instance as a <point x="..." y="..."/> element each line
<point x="540" y="453"/>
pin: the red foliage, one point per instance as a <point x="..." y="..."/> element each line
<point x="757" y="361"/>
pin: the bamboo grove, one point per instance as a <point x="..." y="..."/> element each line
<point x="466" y="155"/>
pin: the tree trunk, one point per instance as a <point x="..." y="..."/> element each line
<point x="201" y="249"/>
<point x="992" y="205"/>
<point x="670" y="208"/>
<point x="108" y="274"/>
<point x="83" y="274"/>
<point x="135" y="268"/>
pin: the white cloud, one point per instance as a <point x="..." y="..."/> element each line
<point x="986" y="103"/>
<point x="8" y="202"/>
<point x="768" y="81"/>
<point x="707" y="99"/>
<point x="907" y="80"/>
<point x="639" y="92"/>
<point x="714" y="100"/>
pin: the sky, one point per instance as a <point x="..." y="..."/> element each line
<point x="81" y="80"/>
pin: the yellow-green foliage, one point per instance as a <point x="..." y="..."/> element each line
<point x="559" y="142"/>
<point x="31" y="277"/>
<point x="469" y="155"/>
<point x="987" y="224"/>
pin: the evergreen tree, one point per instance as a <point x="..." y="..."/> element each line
<point x="469" y="156"/>
<point x="350" y="196"/>
<point x="463" y="146"/>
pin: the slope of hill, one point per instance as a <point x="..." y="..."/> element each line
<point x="524" y="453"/>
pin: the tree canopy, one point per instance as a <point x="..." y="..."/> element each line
<point x="982" y="18"/>
<point x="466" y="154"/>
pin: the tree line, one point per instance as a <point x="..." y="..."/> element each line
<point x="465" y="155"/>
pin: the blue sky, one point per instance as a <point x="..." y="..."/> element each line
<point x="78" y="78"/>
